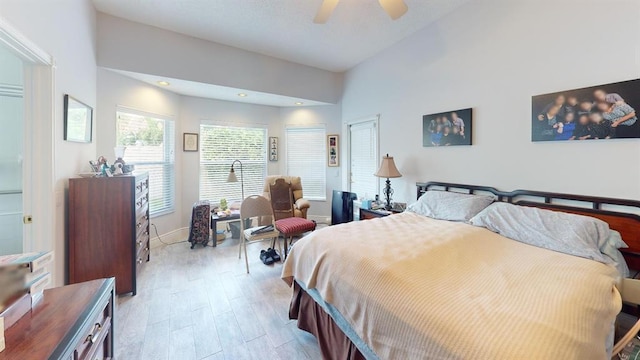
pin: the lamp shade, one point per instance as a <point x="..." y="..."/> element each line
<point x="388" y="168"/>
<point x="232" y="176"/>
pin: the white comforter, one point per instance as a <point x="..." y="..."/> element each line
<point x="416" y="288"/>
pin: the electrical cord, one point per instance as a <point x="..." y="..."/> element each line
<point x="160" y="239"/>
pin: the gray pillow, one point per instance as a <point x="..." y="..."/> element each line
<point x="610" y="248"/>
<point x="571" y="234"/>
<point x="445" y="205"/>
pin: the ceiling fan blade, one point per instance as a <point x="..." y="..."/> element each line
<point x="325" y="11"/>
<point x="395" y="8"/>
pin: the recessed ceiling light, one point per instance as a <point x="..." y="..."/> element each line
<point x="299" y="103"/>
<point x="163" y="83"/>
<point x="242" y="95"/>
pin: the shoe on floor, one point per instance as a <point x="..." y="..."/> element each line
<point x="266" y="257"/>
<point x="274" y="254"/>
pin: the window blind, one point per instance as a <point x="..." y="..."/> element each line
<point x="364" y="159"/>
<point x="219" y="147"/>
<point x="150" y="143"/>
<point x="307" y="158"/>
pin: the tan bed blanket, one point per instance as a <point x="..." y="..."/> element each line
<point x="417" y="288"/>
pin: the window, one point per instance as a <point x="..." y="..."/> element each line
<point x="363" y="160"/>
<point x="307" y="158"/>
<point x="219" y="147"/>
<point x="150" y="143"/>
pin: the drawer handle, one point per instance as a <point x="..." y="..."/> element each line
<point x="140" y="261"/>
<point x="139" y="187"/>
<point x="96" y="331"/>
<point x="138" y="225"/>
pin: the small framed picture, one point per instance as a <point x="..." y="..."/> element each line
<point x="333" y="150"/>
<point x="190" y="142"/>
<point x="273" y="148"/>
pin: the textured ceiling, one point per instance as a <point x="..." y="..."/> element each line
<point x="284" y="29"/>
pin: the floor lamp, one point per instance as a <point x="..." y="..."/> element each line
<point x="388" y="170"/>
<point x="233" y="178"/>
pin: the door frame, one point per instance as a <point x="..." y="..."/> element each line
<point x="346" y="179"/>
<point x="39" y="144"/>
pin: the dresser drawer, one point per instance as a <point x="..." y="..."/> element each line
<point x="142" y="247"/>
<point x="141" y="200"/>
<point x="92" y="342"/>
<point x="142" y="185"/>
<point x="142" y="258"/>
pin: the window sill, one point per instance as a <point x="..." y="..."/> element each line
<point x="161" y="213"/>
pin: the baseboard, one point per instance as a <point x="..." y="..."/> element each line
<point x="320" y="219"/>
<point x="171" y="237"/>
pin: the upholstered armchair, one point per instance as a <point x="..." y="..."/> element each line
<point x="300" y="204"/>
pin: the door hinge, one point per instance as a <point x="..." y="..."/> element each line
<point x="27" y="219"/>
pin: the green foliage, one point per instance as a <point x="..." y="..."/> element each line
<point x="224" y="143"/>
<point x="134" y="132"/>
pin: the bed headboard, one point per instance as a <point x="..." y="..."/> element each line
<point x="622" y="215"/>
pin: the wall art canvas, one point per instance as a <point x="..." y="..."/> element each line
<point x="450" y="128"/>
<point x="273" y="148"/>
<point x="333" y="153"/>
<point x="594" y="113"/>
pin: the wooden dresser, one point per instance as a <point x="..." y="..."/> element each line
<point x="73" y="322"/>
<point x="108" y="229"/>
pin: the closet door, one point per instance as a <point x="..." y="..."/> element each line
<point x="363" y="159"/>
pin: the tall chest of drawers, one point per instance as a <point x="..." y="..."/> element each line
<point x="108" y="229"/>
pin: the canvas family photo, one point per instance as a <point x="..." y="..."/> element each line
<point x="593" y="113"/>
<point x="449" y="128"/>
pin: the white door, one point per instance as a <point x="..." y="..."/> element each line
<point x="12" y="181"/>
<point x="363" y="158"/>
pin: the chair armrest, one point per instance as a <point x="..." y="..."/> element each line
<point x="303" y="204"/>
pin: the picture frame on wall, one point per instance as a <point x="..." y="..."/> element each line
<point x="449" y="128"/>
<point x="600" y="112"/>
<point x="190" y="142"/>
<point x="333" y="150"/>
<point x="78" y="120"/>
<point x="273" y="148"/>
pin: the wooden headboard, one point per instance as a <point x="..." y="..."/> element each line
<point x="621" y="215"/>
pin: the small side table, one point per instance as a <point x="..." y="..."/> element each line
<point x="215" y="219"/>
<point x="366" y="214"/>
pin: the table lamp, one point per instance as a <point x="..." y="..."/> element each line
<point x="233" y="178"/>
<point x="388" y="170"/>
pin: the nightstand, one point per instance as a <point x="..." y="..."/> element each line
<point x="372" y="214"/>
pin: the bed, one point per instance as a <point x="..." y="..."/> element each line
<point x="410" y="287"/>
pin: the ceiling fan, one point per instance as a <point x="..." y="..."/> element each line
<point x="395" y="9"/>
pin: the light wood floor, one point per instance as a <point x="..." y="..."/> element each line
<point x="201" y="304"/>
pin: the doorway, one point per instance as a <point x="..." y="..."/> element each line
<point x="11" y="152"/>
<point x="26" y="144"/>
<point x="363" y="158"/>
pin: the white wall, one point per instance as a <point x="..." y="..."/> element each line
<point x="66" y="29"/>
<point x="330" y="117"/>
<point x="117" y="90"/>
<point x="493" y="56"/>
<point x="155" y="51"/>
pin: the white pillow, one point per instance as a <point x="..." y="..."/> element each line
<point x="445" y="205"/>
<point x="571" y="234"/>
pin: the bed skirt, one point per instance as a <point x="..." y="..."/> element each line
<point x="312" y="318"/>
